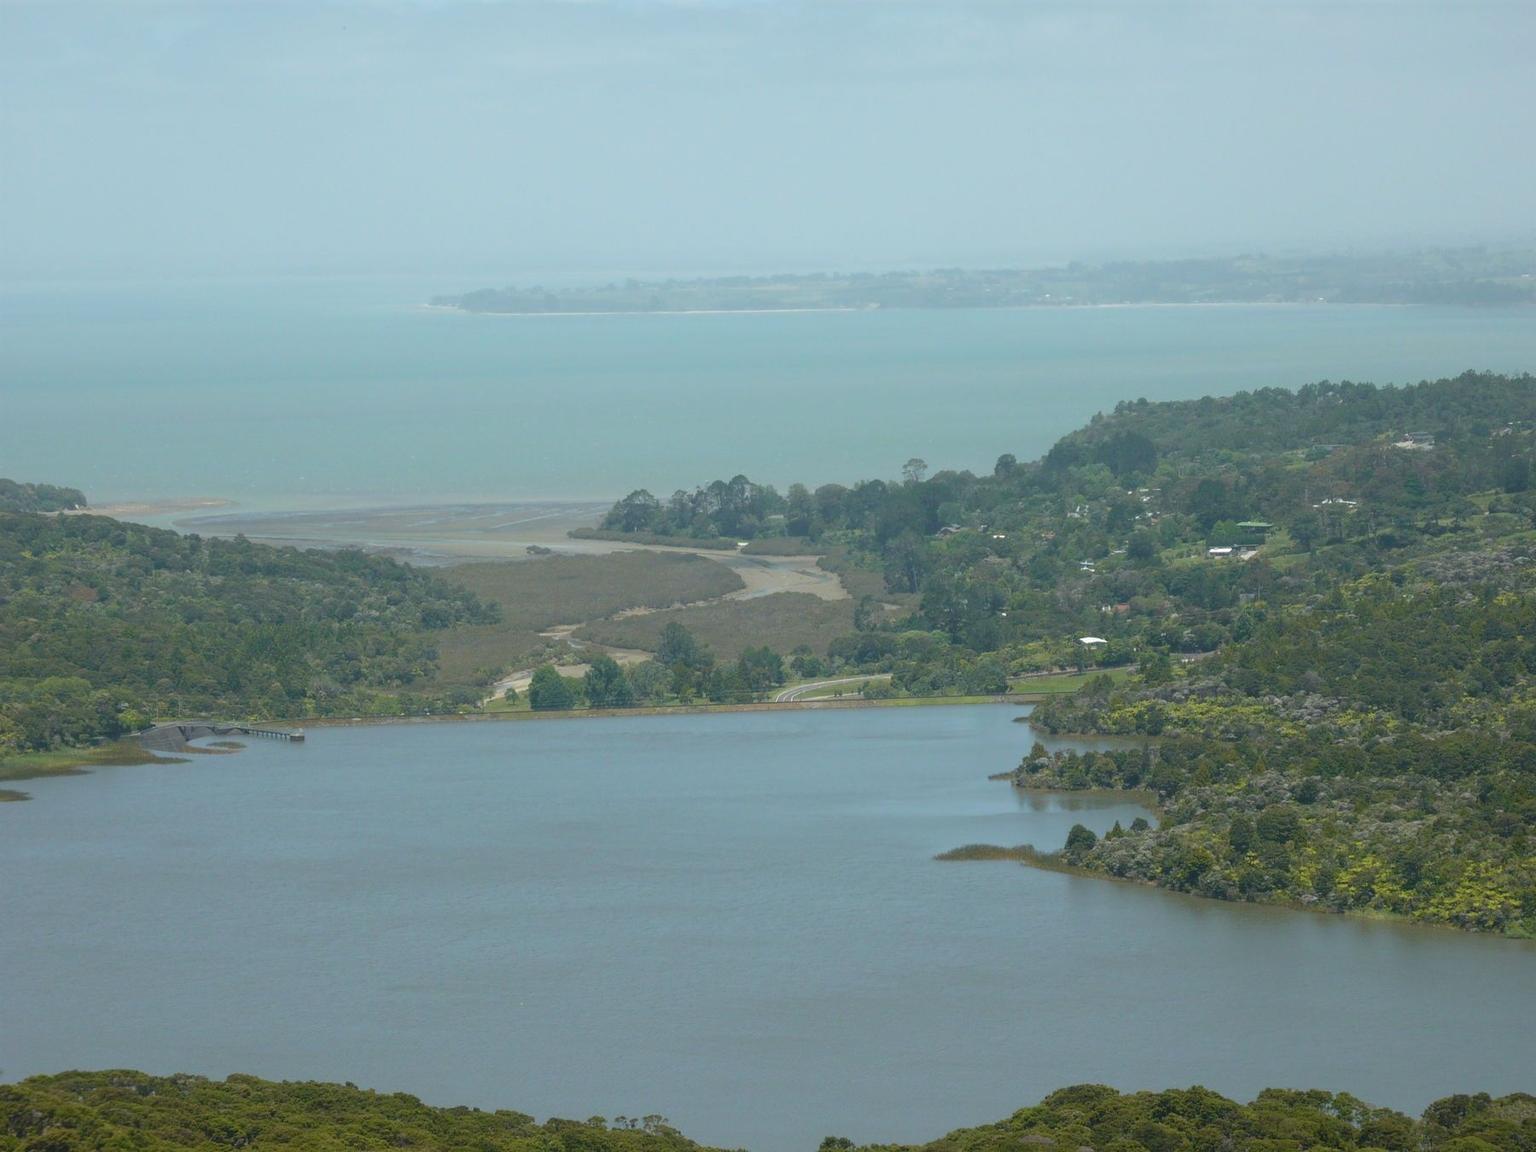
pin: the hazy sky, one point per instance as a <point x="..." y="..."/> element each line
<point x="652" y="136"/>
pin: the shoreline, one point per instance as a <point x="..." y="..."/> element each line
<point x="1051" y="862"/>
<point x="1028" y="856"/>
<point x="655" y="311"/>
<point x="669" y="710"/>
<point x="1037" y="307"/>
<point x="127" y="752"/>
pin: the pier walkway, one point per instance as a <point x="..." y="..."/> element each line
<point x="173" y="737"/>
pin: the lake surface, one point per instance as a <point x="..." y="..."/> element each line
<point x="317" y="393"/>
<point x="733" y="920"/>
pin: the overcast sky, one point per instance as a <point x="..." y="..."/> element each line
<point x="648" y="136"/>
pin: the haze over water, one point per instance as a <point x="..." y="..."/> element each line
<point x="306" y="392"/>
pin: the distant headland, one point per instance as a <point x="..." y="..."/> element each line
<point x="1481" y="277"/>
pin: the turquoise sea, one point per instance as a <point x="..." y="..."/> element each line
<point x="314" y="393"/>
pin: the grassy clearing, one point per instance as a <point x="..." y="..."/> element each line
<point x="1064" y="685"/>
<point x="501" y="705"/>
<point x="836" y="691"/>
<point x="782" y="621"/>
<point x="537" y="594"/>
<point x="938" y="701"/>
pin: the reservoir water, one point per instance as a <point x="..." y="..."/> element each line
<point x="733" y="920"/>
<point x="319" y="393"/>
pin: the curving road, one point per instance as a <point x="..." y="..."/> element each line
<point x="799" y="690"/>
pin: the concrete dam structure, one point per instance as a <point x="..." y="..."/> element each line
<point x="175" y="737"/>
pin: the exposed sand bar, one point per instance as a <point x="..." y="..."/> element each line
<point x="453" y="533"/>
<point x="129" y="509"/>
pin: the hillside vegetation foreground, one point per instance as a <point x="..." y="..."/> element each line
<point x="76" y="1111"/>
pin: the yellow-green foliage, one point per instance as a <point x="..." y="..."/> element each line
<point x="1091" y="1116"/>
<point x="1485" y="896"/>
<point x="1391" y="723"/>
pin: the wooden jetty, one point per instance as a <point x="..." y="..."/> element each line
<point x="175" y="736"/>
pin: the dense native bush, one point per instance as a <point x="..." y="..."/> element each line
<point x="105" y="625"/>
<point x="1375" y="751"/>
<point x="121" y="1109"/>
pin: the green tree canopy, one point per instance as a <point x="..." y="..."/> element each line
<point x="549" y="691"/>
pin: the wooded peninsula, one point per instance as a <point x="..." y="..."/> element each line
<point x="1463" y="276"/>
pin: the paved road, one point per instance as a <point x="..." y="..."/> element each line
<point x="799" y="690"/>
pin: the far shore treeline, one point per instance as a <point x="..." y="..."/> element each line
<point x="1316" y="609"/>
<point x="106" y="626"/>
<point x="123" y="1109"/>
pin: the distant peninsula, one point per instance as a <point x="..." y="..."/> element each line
<point x="1481" y="277"/>
<point x="16" y="496"/>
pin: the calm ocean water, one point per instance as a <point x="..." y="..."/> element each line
<point x="314" y="393"/>
<point x="734" y="920"/>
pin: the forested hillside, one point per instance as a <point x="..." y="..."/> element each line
<point x="1374" y="749"/>
<point x="105" y="1110"/>
<point x="1111" y="533"/>
<point x="106" y="625"/>
<point x="1329" y="598"/>
<point x="15" y="497"/>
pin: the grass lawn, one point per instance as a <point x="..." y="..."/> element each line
<point x="502" y="705"/>
<point x="833" y="691"/>
<point x="1064" y="685"/>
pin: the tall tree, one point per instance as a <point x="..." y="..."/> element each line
<point x="605" y="684"/>
<point x="549" y="692"/>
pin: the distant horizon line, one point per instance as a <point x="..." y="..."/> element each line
<point x="572" y="273"/>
